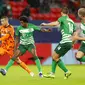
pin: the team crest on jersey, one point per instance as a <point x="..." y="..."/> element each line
<point x="26" y="30"/>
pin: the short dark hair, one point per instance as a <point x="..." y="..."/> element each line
<point x="24" y="19"/>
<point x="65" y="10"/>
<point x="4" y="17"/>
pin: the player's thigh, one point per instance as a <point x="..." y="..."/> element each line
<point x="22" y="49"/>
<point x="63" y="48"/>
<point x="32" y="49"/>
<point x="55" y="56"/>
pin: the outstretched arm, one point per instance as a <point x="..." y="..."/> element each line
<point x="56" y="23"/>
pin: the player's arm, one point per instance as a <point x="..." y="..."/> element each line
<point x="45" y="30"/>
<point x="40" y="29"/>
<point x="55" y="23"/>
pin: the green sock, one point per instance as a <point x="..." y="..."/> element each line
<point x="82" y="59"/>
<point x="10" y="63"/>
<point x="62" y="65"/>
<point x="54" y="63"/>
<point x="37" y="61"/>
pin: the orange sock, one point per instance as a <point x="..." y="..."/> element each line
<point x="24" y="66"/>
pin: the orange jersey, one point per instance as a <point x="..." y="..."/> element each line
<point x="7" y="38"/>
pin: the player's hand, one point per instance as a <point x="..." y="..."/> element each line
<point x="43" y="24"/>
<point x="49" y="30"/>
<point x="74" y="38"/>
<point x="46" y="30"/>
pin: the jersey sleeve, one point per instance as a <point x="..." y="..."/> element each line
<point x="60" y="20"/>
<point x="17" y="32"/>
<point x="35" y="27"/>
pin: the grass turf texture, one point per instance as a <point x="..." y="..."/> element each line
<point x="17" y="76"/>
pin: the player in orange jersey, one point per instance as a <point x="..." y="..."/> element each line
<point x="7" y="42"/>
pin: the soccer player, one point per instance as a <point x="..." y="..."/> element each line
<point x="24" y="32"/>
<point x="67" y="28"/>
<point x="81" y="52"/>
<point x="7" y="45"/>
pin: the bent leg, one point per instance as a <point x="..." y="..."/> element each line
<point x="23" y="65"/>
<point x="59" y="62"/>
<point x="11" y="61"/>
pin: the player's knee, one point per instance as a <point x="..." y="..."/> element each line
<point x="35" y="58"/>
<point x="55" y="57"/>
<point x="13" y="58"/>
<point x="18" y="61"/>
<point x="78" y="57"/>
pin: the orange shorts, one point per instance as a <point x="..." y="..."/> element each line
<point x="4" y="51"/>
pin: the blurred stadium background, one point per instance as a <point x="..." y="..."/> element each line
<point x="39" y="11"/>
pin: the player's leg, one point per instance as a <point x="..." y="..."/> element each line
<point x="10" y="63"/>
<point x="80" y="54"/>
<point x="21" y="63"/>
<point x="24" y="66"/>
<point x="32" y="49"/>
<point x="2" y="52"/>
<point x="23" y="49"/>
<point x="60" y="50"/>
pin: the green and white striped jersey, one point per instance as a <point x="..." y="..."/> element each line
<point x="82" y="27"/>
<point x="67" y="27"/>
<point x="26" y="34"/>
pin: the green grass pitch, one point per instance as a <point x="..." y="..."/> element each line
<point x="17" y="76"/>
